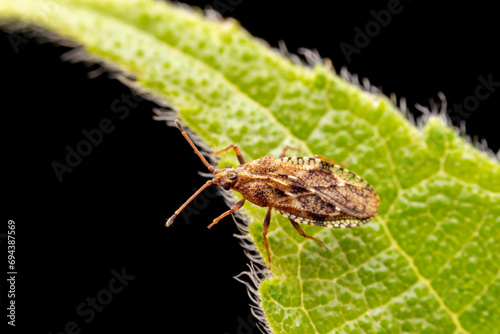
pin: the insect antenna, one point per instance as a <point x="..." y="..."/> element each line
<point x="210" y="168"/>
<point x="171" y="219"/>
<point x="179" y="126"/>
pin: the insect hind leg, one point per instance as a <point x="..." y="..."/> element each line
<point x="286" y="148"/>
<point x="302" y="233"/>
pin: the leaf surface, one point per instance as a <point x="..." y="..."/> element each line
<point x="429" y="263"/>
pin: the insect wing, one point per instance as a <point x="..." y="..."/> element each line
<point x="328" y="195"/>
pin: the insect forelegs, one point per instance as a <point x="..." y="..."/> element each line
<point x="233" y="209"/>
<point x="302" y="233"/>
<point x="236" y="150"/>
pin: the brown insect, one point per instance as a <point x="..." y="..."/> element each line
<point x="314" y="191"/>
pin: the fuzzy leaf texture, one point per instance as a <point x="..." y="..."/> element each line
<point x="429" y="262"/>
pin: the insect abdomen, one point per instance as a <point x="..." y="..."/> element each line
<point x="332" y="196"/>
<point x="309" y="190"/>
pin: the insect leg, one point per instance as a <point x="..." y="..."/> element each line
<point x="233" y="209"/>
<point x="328" y="160"/>
<point x="236" y="150"/>
<point x="286" y="148"/>
<point x="299" y="229"/>
<point x="267" y="220"/>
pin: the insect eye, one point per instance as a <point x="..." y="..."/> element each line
<point x="226" y="186"/>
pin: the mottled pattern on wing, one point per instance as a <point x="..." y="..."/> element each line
<point x="337" y="185"/>
<point x="340" y="171"/>
<point x="309" y="191"/>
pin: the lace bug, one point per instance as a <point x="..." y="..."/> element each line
<point x="314" y="191"/>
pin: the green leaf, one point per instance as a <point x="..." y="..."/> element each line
<point x="429" y="263"/>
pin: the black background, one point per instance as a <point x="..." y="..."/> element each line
<point x="109" y="213"/>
